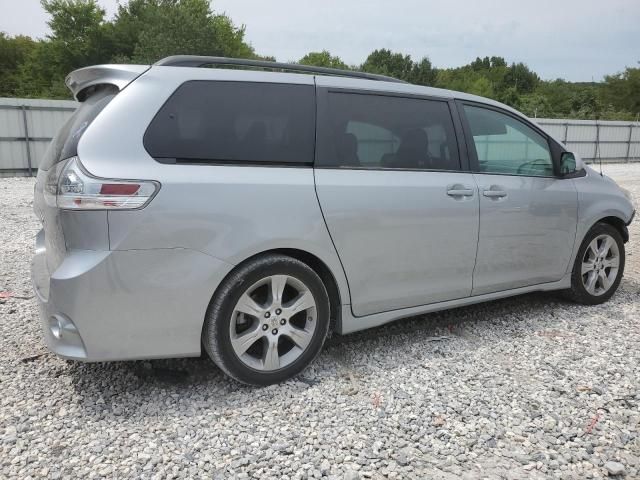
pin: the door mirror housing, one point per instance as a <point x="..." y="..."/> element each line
<point x="570" y="164"/>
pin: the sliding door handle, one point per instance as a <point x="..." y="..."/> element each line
<point x="494" y="193"/>
<point x="460" y="191"/>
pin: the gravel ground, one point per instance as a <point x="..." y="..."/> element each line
<point x="530" y="387"/>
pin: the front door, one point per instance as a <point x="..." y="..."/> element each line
<point x="528" y="216"/>
<point x="401" y="213"/>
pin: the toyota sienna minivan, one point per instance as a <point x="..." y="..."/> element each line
<point x="251" y="210"/>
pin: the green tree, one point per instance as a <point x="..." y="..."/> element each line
<point x="77" y="39"/>
<point x="323" y="59"/>
<point x="510" y="96"/>
<point x="482" y="86"/>
<point x="622" y="91"/>
<point x="520" y="77"/>
<point x="423" y="73"/>
<point x="13" y="53"/>
<point x="385" y="62"/>
<point x="171" y="27"/>
<point x="536" y="105"/>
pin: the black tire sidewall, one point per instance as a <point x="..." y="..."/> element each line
<point x="580" y="293"/>
<point x="219" y="318"/>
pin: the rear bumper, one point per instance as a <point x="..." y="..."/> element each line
<point x="60" y="334"/>
<point x="121" y="305"/>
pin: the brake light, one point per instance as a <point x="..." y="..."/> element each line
<point x="70" y="186"/>
<point x="119" y="189"/>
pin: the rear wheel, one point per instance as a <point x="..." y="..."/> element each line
<point x="268" y="320"/>
<point x="598" y="267"/>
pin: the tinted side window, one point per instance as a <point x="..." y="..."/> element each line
<point x="506" y="145"/>
<point x="376" y="131"/>
<point x="236" y="122"/>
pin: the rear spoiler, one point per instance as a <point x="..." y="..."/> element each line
<point x="120" y="76"/>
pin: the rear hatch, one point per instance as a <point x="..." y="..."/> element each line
<point x="95" y="87"/>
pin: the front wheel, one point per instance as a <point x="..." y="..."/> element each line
<point x="268" y="320"/>
<point x="598" y="267"/>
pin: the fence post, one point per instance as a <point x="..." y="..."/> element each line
<point x="566" y="132"/>
<point x="597" y="144"/>
<point x="629" y="142"/>
<point x="26" y="138"/>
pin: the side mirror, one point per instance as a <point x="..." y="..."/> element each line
<point x="570" y="163"/>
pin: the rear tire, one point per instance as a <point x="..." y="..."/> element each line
<point x="267" y="321"/>
<point x="598" y="267"/>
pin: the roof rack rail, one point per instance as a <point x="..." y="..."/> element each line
<point x="202" y="61"/>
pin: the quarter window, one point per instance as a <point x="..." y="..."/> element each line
<point x="376" y="131"/>
<point x="506" y="145"/>
<point x="235" y="122"/>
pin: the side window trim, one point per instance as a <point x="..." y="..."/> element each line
<point x="322" y="118"/>
<point x="463" y="149"/>
<point x="471" y="147"/>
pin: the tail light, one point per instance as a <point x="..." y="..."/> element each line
<point x="70" y="186"/>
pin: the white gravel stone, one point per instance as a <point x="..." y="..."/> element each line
<point x="614" y="468"/>
<point x="525" y="388"/>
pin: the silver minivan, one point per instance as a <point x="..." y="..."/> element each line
<point x="252" y="208"/>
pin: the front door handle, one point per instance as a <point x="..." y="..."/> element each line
<point x="494" y="193"/>
<point x="460" y="191"/>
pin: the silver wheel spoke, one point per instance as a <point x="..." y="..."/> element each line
<point x="606" y="245"/>
<point x="593" y="246"/>
<point x="303" y="302"/>
<point x="271" y="357"/>
<point x="612" y="262"/>
<point x="300" y="337"/>
<point x="604" y="280"/>
<point x="242" y="343"/>
<point x="592" y="277"/>
<point x="587" y="267"/>
<point x="278" y="282"/>
<point x="248" y="305"/>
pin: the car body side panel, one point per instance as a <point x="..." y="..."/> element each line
<point x="402" y="239"/>
<point x="228" y="212"/>
<point x="527" y="236"/>
<point x="231" y="213"/>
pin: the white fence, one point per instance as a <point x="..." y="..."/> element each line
<point x="27" y="126"/>
<point x="597" y="140"/>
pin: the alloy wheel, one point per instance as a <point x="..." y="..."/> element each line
<point x="273" y="322"/>
<point x="600" y="265"/>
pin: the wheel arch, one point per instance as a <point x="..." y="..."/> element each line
<point x="318" y="266"/>
<point x="327" y="277"/>
<point x="617" y="223"/>
<point x="612" y="216"/>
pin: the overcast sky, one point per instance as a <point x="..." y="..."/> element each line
<point x="572" y="39"/>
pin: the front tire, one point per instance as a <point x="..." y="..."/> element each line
<point x="598" y="267"/>
<point x="267" y="321"/>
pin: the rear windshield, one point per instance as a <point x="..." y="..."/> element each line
<point x="65" y="143"/>
<point x="235" y="122"/>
